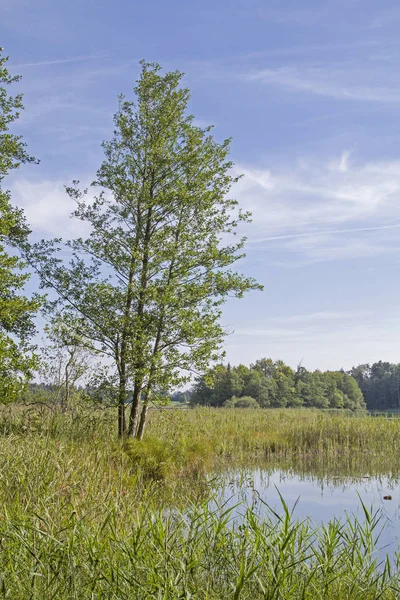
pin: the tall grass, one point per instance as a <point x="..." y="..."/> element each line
<point x="83" y="515"/>
<point x="200" y="554"/>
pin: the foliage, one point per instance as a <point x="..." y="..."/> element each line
<point x="16" y="311"/>
<point x="380" y="384"/>
<point x="180" y="397"/>
<point x="147" y="285"/>
<point x="275" y="385"/>
<point x="243" y="402"/>
<point x="65" y="360"/>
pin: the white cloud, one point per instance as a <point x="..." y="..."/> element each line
<point x="343" y="162"/>
<point x="324" y="233"/>
<point x="316" y="210"/>
<point x="47" y="208"/>
<point x="323" y="209"/>
<point x="313" y="325"/>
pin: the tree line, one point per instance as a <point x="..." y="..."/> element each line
<point x="379" y="383"/>
<point x="273" y="384"/>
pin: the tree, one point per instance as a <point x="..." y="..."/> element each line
<point x="65" y="361"/>
<point x="311" y="388"/>
<point x="147" y="285"/>
<point x="16" y="311"/>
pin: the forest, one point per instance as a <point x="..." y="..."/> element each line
<point x="273" y="384"/>
<point x="379" y="383"/>
<point x="264" y="384"/>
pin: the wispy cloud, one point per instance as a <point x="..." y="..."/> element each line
<point x="311" y="323"/>
<point x="324" y="316"/>
<point x="312" y="192"/>
<point x="338" y="82"/>
<point x="59" y="61"/>
<point x="270" y="333"/>
<point x="323" y="210"/>
<point x="325" y="232"/>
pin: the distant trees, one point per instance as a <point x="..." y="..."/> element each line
<point x="272" y="384"/>
<point x="179" y="396"/>
<point x="16" y="310"/>
<point x="380" y="384"/>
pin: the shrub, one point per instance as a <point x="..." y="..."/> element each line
<point x="243" y="402"/>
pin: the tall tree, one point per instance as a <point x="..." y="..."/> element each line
<point x="16" y="310"/>
<point x="147" y="284"/>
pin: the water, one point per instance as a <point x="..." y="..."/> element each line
<point x="319" y="499"/>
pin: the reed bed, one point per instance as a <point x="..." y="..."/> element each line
<point x="84" y="515"/>
<point x="199" y="554"/>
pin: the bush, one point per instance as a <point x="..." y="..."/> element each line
<point x="244" y="402"/>
<point x="159" y="459"/>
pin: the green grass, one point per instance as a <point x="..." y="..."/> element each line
<point x="85" y="516"/>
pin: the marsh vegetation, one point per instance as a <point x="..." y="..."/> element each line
<point x="86" y="515"/>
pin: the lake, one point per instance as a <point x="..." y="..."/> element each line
<point x="320" y="499"/>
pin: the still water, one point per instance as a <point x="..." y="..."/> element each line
<point x="319" y="499"/>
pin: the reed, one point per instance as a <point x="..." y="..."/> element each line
<point x="200" y="554"/>
<point x="84" y="515"/>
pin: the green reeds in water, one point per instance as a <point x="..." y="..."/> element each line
<point x="195" y="554"/>
<point x="86" y="516"/>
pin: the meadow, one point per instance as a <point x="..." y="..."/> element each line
<point x="87" y="516"/>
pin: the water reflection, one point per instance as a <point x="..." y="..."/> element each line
<point x="317" y="498"/>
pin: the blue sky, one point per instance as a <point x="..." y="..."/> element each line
<point x="310" y="93"/>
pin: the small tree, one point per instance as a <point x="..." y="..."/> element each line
<point x="147" y="285"/>
<point x="65" y="361"/>
<point x="16" y="311"/>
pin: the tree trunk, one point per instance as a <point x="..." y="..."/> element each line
<point x="65" y="399"/>
<point x="121" y="360"/>
<point x="121" y="406"/>
<point x="143" y="415"/>
<point x="135" y="407"/>
<point x="138" y="385"/>
<point x="65" y="396"/>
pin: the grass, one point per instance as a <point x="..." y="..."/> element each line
<point x="85" y="516"/>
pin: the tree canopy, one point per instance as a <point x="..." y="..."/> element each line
<point x="16" y="310"/>
<point x="272" y="384"/>
<point x="380" y="384"/>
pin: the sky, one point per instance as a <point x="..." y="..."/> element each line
<point x="310" y="93"/>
